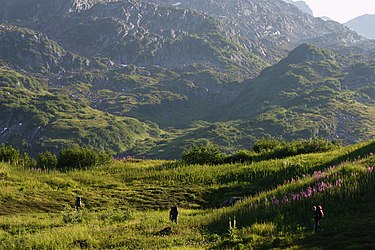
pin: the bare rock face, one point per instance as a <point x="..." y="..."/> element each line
<point x="157" y="31"/>
<point x="302" y="6"/>
<point x="18" y="9"/>
<point x="269" y="28"/>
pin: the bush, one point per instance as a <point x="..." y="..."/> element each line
<point x="203" y="155"/>
<point x="267" y="145"/>
<point x="27" y="161"/>
<point x="47" y="160"/>
<point x="13" y="156"/>
<point x="81" y="158"/>
<point x="9" y="154"/>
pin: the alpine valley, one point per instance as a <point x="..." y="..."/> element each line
<point x="150" y="78"/>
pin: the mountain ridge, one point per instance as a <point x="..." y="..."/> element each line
<point x="169" y="76"/>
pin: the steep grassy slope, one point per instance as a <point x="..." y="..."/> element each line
<point x="312" y="92"/>
<point x="126" y="204"/>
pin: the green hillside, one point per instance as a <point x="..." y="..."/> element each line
<point x="126" y="204"/>
<point x="35" y="115"/>
<point x="312" y="92"/>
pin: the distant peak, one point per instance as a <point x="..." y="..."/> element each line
<point x="302" y="6"/>
<point x="308" y="52"/>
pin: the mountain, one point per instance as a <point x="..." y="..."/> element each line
<point x="133" y="32"/>
<point x="36" y="117"/>
<point x="326" y="18"/>
<point x="271" y="29"/>
<point x="27" y="49"/>
<point x="142" y="33"/>
<point x="363" y="25"/>
<point x="38" y="111"/>
<point x="312" y="92"/>
<point x="302" y="6"/>
<point x="151" y="78"/>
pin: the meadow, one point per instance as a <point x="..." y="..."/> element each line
<point x="126" y="204"/>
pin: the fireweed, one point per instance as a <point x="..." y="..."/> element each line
<point x="329" y="179"/>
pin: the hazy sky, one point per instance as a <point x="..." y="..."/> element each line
<point x="341" y="10"/>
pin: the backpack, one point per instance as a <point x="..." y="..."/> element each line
<point x="78" y="201"/>
<point x="320" y="213"/>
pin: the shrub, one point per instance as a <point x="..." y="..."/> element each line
<point x="81" y="158"/>
<point x="267" y="145"/>
<point x="47" y="160"/>
<point x="13" y="156"/>
<point x="203" y="155"/>
<point x="27" y="161"/>
<point x="9" y="154"/>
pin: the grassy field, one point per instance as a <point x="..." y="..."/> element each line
<point x="127" y="202"/>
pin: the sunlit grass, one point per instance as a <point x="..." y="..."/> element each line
<point x="127" y="202"/>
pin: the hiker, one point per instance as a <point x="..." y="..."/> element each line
<point x="318" y="215"/>
<point x="173" y="213"/>
<point x="78" y="203"/>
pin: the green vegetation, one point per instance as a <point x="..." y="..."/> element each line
<point x="81" y="158"/>
<point x="53" y="99"/>
<point x="310" y="93"/>
<point x="262" y="150"/>
<point x="127" y="201"/>
<point x="13" y="156"/>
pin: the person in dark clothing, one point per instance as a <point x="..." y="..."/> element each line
<point x="78" y="203"/>
<point x="173" y="213"/>
<point x="318" y="215"/>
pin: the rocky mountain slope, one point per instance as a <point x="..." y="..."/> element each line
<point x="133" y="32"/>
<point x="363" y="25"/>
<point x="302" y="6"/>
<point x="271" y="28"/>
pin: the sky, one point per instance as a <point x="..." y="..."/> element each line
<point x="341" y="10"/>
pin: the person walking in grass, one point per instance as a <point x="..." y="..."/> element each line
<point x="173" y="213"/>
<point x="318" y="215"/>
<point x="78" y="203"/>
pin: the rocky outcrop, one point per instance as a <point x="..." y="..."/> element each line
<point x="302" y="6"/>
<point x="174" y="35"/>
<point x="134" y="32"/>
<point x="269" y="28"/>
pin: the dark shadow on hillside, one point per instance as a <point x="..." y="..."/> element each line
<point x="350" y="231"/>
<point x="354" y="155"/>
<point x="247" y="184"/>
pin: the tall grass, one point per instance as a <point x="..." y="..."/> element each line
<point x="126" y="202"/>
<point x="337" y="188"/>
